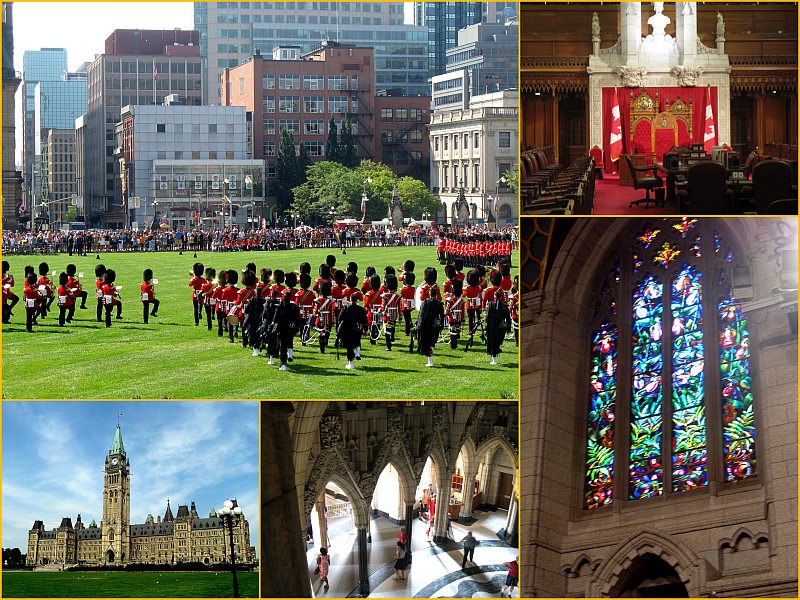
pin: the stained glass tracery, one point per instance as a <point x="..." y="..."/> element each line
<point x="667" y="324"/>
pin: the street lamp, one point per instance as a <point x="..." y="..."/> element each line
<point x="333" y="214"/>
<point x="364" y="199"/>
<point x="230" y="516"/>
<point x="248" y="183"/>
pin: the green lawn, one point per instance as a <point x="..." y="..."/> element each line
<point x="112" y="584"/>
<point x="171" y="358"/>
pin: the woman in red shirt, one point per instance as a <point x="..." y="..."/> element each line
<point x="148" y="296"/>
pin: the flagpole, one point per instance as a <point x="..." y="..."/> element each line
<point x="154" y="81"/>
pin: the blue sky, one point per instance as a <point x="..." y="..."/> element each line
<point x="54" y="452"/>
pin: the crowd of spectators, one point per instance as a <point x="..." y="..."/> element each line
<point x="234" y="239"/>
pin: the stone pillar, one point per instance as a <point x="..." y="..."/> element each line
<point x="409" y="522"/>
<point x="556" y="131"/>
<point x="631" y="31"/>
<point x="282" y="531"/>
<point x="686" y="31"/>
<point x="511" y="521"/>
<point x="442" y="508"/>
<point x="322" y="522"/>
<point x="369" y="525"/>
<point x="363" y="571"/>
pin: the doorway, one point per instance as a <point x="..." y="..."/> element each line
<point x="504" y="489"/>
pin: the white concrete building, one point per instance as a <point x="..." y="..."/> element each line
<point x="181" y="164"/>
<point x="471" y="148"/>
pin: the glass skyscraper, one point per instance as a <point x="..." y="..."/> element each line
<point x="233" y="31"/>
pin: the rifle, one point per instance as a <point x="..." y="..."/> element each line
<point x="413" y="337"/>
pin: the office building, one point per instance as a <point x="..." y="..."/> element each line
<point x="488" y="53"/>
<point x="177" y="162"/>
<point x="12" y="179"/>
<point x="230" y="32"/>
<point x="58" y="176"/>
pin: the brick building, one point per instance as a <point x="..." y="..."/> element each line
<point x="301" y="92"/>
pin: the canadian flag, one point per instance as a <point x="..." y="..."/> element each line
<point x="615" y="135"/>
<point x="709" y="130"/>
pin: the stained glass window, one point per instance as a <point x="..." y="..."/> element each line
<point x="739" y="432"/>
<point x="668" y="384"/>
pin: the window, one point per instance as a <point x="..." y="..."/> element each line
<point x="290" y="125"/>
<point x="386" y="136"/>
<point x="314" y="127"/>
<point x="387" y="115"/>
<point x="445" y="141"/>
<point x="337" y="82"/>
<point x="337" y="104"/>
<point x="313" y="82"/>
<point x="314" y="104"/>
<point x="268" y="82"/>
<point x="436" y="144"/>
<point x="289" y="82"/>
<point x="416" y="155"/>
<point x="178" y="128"/>
<point x="416" y="115"/>
<point x="401" y="114"/>
<point x="387" y="157"/>
<point x="689" y="358"/>
<point x="269" y="104"/>
<point x="315" y="148"/>
<point x="178" y="154"/>
<point x="161" y="128"/>
<point x="212" y="128"/>
<point x="241" y="86"/>
<point x="504" y="139"/>
<point x="212" y="154"/>
<point x="455" y="142"/>
<point x="477" y="141"/>
<point x="289" y="104"/>
<point x="269" y="148"/>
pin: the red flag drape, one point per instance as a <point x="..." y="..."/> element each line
<point x="615" y="134"/>
<point x="710" y="127"/>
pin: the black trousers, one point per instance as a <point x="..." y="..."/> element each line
<point x="198" y="311"/>
<point x="146" y="308"/>
<point x="30" y="317"/>
<point x="210" y="316"/>
<point x="65" y="313"/>
<point x="109" y="308"/>
<point x="99" y="310"/>
<point x="469" y="554"/>
<point x="83" y="295"/>
<point x="407" y="319"/>
<point x="222" y="323"/>
<point x="389" y="335"/>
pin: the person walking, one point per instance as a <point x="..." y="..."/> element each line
<point x="400" y="562"/>
<point x="469" y="542"/>
<point x="511" y="578"/>
<point x="323" y="564"/>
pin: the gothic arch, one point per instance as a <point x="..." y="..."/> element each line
<point x="688" y="566"/>
<point x="404" y="473"/>
<point x="351" y="489"/>
<point x="497" y="441"/>
<point x="469" y="456"/>
<point x="583" y="565"/>
<point x="743" y="536"/>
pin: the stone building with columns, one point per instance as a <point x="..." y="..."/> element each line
<point x="349" y="446"/>
<point x="658" y="414"/>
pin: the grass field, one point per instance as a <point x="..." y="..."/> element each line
<point x="111" y="584"/>
<point x="171" y="358"/>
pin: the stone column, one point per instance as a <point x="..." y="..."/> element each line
<point x="409" y="522"/>
<point x="556" y="132"/>
<point x="511" y="521"/>
<point x="322" y="522"/>
<point x="282" y="530"/>
<point x="631" y="31"/>
<point x="442" y="508"/>
<point x="363" y="571"/>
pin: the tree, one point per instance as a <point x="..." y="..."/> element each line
<point x="347" y="146"/>
<point x="511" y="176"/>
<point x="72" y="213"/>
<point x="332" y="151"/>
<point x="415" y="198"/>
<point x="287" y="170"/>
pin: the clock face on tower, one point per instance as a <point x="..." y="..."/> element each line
<point x="114" y="460"/>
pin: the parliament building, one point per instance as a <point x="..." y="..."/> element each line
<point x="184" y="537"/>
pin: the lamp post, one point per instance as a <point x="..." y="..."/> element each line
<point x="364" y="199"/>
<point x="225" y="198"/>
<point x="248" y="183"/>
<point x="230" y="514"/>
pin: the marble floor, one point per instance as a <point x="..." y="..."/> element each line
<point x="435" y="571"/>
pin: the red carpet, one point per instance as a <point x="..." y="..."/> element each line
<point x="610" y="198"/>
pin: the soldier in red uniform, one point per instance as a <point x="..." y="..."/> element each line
<point x="496" y="279"/>
<point x="304" y="298"/>
<point x="408" y="292"/>
<point x="368" y="273"/>
<point x="32" y="299"/>
<point x="10" y="299"/>
<point x="324" y="314"/>
<point x="208" y="291"/>
<point x="454" y="311"/>
<point x="220" y="310"/>
<point x="324" y="275"/>
<point x="196" y="283"/>
<point x="513" y="307"/>
<point x="66" y="302"/>
<point x="149" y="296"/>
<point x="111" y="295"/>
<point x="374" y="308"/>
<point x="391" y="304"/>
<point x="249" y="321"/>
<point x="99" y="271"/>
<point x="229" y="297"/>
<point x="74" y="285"/>
<point x="46" y="289"/>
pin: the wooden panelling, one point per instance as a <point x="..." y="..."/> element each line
<point x="537" y="122"/>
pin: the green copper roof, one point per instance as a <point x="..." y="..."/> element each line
<point x="117" y="447"/>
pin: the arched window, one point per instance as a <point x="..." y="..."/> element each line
<point x="671" y="403"/>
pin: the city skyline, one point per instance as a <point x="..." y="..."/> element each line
<point x="174" y="450"/>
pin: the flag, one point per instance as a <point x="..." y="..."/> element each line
<point x="119" y="415"/>
<point x="496" y="204"/>
<point x="363" y="205"/>
<point x="155" y="70"/>
<point x="709" y="129"/>
<point x="615" y="135"/>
